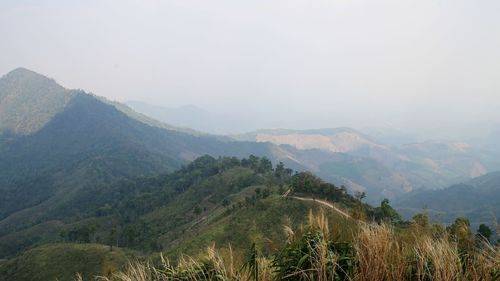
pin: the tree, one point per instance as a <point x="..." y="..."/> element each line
<point x="387" y="213"/>
<point x="282" y="173"/>
<point x="265" y="165"/>
<point x="131" y="233"/>
<point x="197" y="210"/>
<point x="460" y="231"/>
<point x="343" y="189"/>
<point x="360" y="195"/>
<point x="111" y="238"/>
<point x="484" y="232"/>
<point x="252" y="162"/>
<point x="258" y="192"/>
<point x="266" y="193"/>
<point x="63" y="234"/>
<point x="421" y="220"/>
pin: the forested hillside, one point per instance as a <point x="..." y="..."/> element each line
<point x="477" y="199"/>
<point x="226" y="201"/>
<point x="363" y="163"/>
<point x="75" y="144"/>
<point x="86" y="184"/>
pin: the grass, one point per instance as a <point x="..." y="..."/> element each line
<point x="62" y="261"/>
<point x="319" y="250"/>
<point x="260" y="223"/>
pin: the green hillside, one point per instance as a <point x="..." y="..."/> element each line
<point x="362" y="163"/>
<point x="477" y="199"/>
<point x="62" y="261"/>
<point x="80" y="146"/>
<point x="225" y="202"/>
<point x="81" y="176"/>
<point x="28" y="101"/>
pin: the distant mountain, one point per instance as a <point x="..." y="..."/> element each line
<point x="493" y="139"/>
<point x="59" y="142"/>
<point x="392" y="136"/>
<point x="76" y="168"/>
<point x="477" y="199"/>
<point x="28" y="101"/>
<point x="388" y="164"/>
<point x="361" y="162"/>
<point x="190" y="116"/>
<point x="57" y="146"/>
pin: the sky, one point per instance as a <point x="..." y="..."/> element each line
<point x="428" y="66"/>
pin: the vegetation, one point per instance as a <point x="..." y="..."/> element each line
<point x="22" y="114"/>
<point x="61" y="261"/>
<point x="316" y="251"/>
<point x="224" y="200"/>
<point x="237" y="209"/>
<point x="73" y="153"/>
<point x="476" y="199"/>
<point x="84" y="187"/>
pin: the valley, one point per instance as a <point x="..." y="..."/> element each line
<point x="88" y="184"/>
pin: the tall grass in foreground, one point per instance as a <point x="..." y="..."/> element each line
<point x="315" y="251"/>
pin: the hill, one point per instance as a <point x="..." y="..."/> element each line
<point x="59" y="143"/>
<point x="380" y="167"/>
<point x="476" y="199"/>
<point x="226" y="201"/>
<point x="188" y="116"/>
<point x="28" y="101"/>
<point x="63" y="262"/>
<point x="361" y="162"/>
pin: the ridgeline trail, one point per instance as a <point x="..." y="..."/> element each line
<point x="325" y="203"/>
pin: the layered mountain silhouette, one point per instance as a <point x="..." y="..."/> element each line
<point x="56" y="142"/>
<point x="476" y="199"/>
<point x="361" y="162"/>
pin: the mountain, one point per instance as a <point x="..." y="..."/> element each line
<point x="385" y="166"/>
<point x="493" y="139"/>
<point x="226" y="201"/>
<point x="59" y="143"/>
<point x="190" y="116"/>
<point x="477" y="199"/>
<point x="28" y="101"/>
<point x="86" y="183"/>
<point x="361" y="162"/>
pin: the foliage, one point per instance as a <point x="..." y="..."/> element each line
<point x="63" y="261"/>
<point x="307" y="183"/>
<point x="376" y="252"/>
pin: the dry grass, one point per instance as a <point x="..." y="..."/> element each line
<point x="373" y="246"/>
<point x="380" y="254"/>
<point x="437" y="260"/>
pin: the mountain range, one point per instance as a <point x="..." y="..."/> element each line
<point x="387" y="165"/>
<point x="45" y="128"/>
<point x="349" y="157"/>
<point x="77" y="168"/>
<point x="57" y="144"/>
<point x="477" y="199"/>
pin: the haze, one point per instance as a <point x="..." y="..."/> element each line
<point x="429" y="67"/>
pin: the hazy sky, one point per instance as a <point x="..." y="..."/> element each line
<point x="311" y="63"/>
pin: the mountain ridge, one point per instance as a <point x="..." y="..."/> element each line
<point x="28" y="100"/>
<point x="477" y="199"/>
<point x="86" y="144"/>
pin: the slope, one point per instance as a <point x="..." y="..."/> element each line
<point x="75" y="143"/>
<point x="159" y="212"/>
<point x="362" y="163"/>
<point x="63" y="262"/>
<point x="477" y="199"/>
